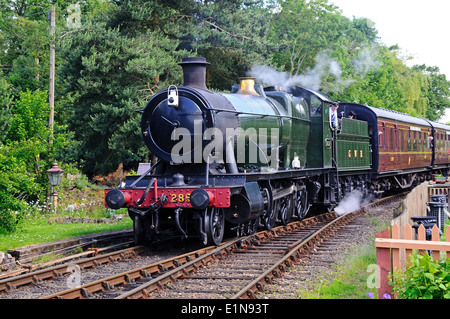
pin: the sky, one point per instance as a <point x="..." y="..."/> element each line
<point x="420" y="28"/>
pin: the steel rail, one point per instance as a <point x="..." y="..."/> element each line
<point x="60" y="270"/>
<point x="297" y="249"/>
<point x="148" y="271"/>
<point x="153" y="269"/>
<point x="287" y="261"/>
<point x="163" y="273"/>
<point x="144" y="290"/>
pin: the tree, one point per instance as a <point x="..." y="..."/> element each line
<point x="30" y="117"/>
<point x="231" y="34"/>
<point x="6" y="100"/>
<point x="24" y="156"/>
<point x="112" y="71"/>
<point x="437" y="91"/>
<point x="303" y="29"/>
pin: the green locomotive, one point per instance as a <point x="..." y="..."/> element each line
<point x="239" y="161"/>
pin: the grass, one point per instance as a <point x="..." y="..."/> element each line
<point x="76" y="198"/>
<point x="349" y="279"/>
<point x="351" y="274"/>
<point x="38" y="230"/>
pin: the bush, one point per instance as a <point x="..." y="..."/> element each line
<point x="25" y="155"/>
<point x="425" y="278"/>
<point x="17" y="185"/>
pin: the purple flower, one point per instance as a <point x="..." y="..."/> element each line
<point x="386" y="296"/>
<point x="370" y="295"/>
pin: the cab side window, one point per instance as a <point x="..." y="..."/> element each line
<point x="316" y="107"/>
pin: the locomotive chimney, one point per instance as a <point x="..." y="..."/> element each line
<point x="247" y="86"/>
<point x="194" y="72"/>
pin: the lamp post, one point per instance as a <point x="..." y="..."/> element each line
<point x="54" y="175"/>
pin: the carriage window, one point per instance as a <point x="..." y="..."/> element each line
<point x="409" y="141"/>
<point x="401" y="140"/>
<point x="391" y="139"/>
<point x="396" y="139"/>
<point x="420" y="142"/>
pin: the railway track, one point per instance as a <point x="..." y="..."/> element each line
<point x="244" y="271"/>
<point x="43" y="278"/>
<point x="239" y="269"/>
<point x="136" y="282"/>
<point x="38" y="276"/>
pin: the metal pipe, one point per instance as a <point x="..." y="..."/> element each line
<point x="201" y="231"/>
<point x="145" y="174"/>
<point x="177" y="221"/>
<point x="207" y="172"/>
<point x="283" y="193"/>
<point x="230" y="164"/>
<point x="147" y="189"/>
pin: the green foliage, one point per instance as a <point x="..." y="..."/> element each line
<point x="25" y="154"/>
<point x="6" y="100"/>
<point x="30" y="117"/>
<point x="114" y="70"/>
<point x="424" y="279"/>
<point x="17" y="184"/>
<point x="302" y="29"/>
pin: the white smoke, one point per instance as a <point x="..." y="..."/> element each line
<point x="350" y="203"/>
<point x="325" y="67"/>
<point x="326" y="75"/>
<point x="366" y="61"/>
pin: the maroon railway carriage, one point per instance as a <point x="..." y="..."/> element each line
<point x="405" y="150"/>
<point x="441" y="142"/>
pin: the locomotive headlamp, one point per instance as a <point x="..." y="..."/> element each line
<point x="172" y="96"/>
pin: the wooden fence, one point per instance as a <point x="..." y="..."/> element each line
<point x="393" y="252"/>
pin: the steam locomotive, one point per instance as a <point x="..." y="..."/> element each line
<point x="257" y="157"/>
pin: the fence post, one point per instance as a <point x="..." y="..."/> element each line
<point x="384" y="266"/>
<point x="395" y="234"/>
<point x="408" y="252"/>
<point x="447" y="239"/>
<point x="435" y="237"/>
<point x="421" y="235"/>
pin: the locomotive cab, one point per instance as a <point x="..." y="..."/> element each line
<point x="318" y="155"/>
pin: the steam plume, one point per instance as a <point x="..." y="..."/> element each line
<point x="350" y="203"/>
<point x="326" y="75"/>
